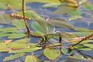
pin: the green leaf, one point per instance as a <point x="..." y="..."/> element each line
<point x="82" y="33"/>
<point x="9" y="29"/>
<point x="18" y="23"/>
<point x="89" y="6"/>
<point x="22" y="41"/>
<point x="10" y="4"/>
<point x="31" y="49"/>
<point x="68" y="35"/>
<point x="37" y="33"/>
<point x="75" y="13"/>
<point x="53" y="5"/>
<point x="2" y="6"/>
<point x="66" y="51"/>
<point x="86" y="41"/>
<point x="89" y="45"/>
<point x="61" y="23"/>
<point x="16" y="35"/>
<point x="3" y="47"/>
<point x="74" y="17"/>
<point x="15" y="45"/>
<point x="51" y="54"/>
<point x="15" y="4"/>
<point x="64" y="9"/>
<point x="79" y="57"/>
<point x="83" y="30"/>
<point x="85" y="49"/>
<point x="31" y="58"/>
<point x="5" y="19"/>
<point x="3" y="35"/>
<point x="11" y="57"/>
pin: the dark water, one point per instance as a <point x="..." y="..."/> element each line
<point x="85" y="23"/>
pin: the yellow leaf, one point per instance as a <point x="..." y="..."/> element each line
<point x="45" y="1"/>
<point x="7" y="41"/>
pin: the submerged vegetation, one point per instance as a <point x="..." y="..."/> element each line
<point x="26" y="23"/>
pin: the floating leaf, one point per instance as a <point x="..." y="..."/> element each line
<point x="11" y="57"/>
<point x="66" y="51"/>
<point x="16" y="35"/>
<point x="15" y="45"/>
<point x="86" y="41"/>
<point x="53" y="5"/>
<point x="89" y="45"/>
<point x="31" y="58"/>
<point x="83" y="48"/>
<point x="5" y="19"/>
<point x="68" y="35"/>
<point x="89" y="6"/>
<point x="83" y="30"/>
<point x="3" y="35"/>
<point x="31" y="49"/>
<point x="75" y="13"/>
<point x="74" y="17"/>
<point x="22" y="41"/>
<point x="10" y="4"/>
<point x="82" y="33"/>
<point x="64" y="9"/>
<point x="51" y="54"/>
<point x="78" y="57"/>
<point x="2" y="6"/>
<point x="18" y="23"/>
<point x="2" y="47"/>
<point x="61" y="23"/>
<point x="69" y="6"/>
<point x="9" y="29"/>
<point x="7" y="41"/>
<point x="38" y="34"/>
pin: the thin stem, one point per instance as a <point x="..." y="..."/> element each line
<point x="60" y="38"/>
<point x="86" y="38"/>
<point x="23" y="11"/>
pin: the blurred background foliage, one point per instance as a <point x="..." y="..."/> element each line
<point x="46" y="24"/>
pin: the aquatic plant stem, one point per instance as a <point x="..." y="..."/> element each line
<point x="85" y="38"/>
<point x="24" y="17"/>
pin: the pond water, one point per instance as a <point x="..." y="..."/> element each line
<point x="87" y="22"/>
